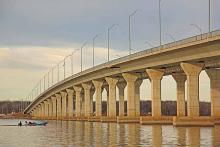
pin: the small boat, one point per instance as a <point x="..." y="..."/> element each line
<point x="43" y="123"/>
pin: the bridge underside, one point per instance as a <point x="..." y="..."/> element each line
<point x="72" y="99"/>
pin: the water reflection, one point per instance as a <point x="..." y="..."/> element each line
<point x="89" y="134"/>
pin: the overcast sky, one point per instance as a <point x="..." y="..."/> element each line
<point x="36" y="35"/>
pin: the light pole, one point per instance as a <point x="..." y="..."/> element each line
<point x="64" y="68"/>
<point x="82" y="55"/>
<point x="72" y="60"/>
<point x="209" y="16"/>
<point x="160" y="19"/>
<point x="52" y="75"/>
<point x="129" y="29"/>
<point x="109" y="37"/>
<point x="171" y="36"/>
<point x="93" y="50"/>
<point x="148" y="43"/>
<point x="58" y="75"/>
<point x="197" y="27"/>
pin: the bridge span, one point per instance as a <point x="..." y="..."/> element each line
<point x="71" y="99"/>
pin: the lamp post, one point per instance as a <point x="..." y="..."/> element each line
<point x="93" y="50"/>
<point x="109" y="37"/>
<point x="171" y="36"/>
<point x="148" y="43"/>
<point x="209" y="16"/>
<point x="197" y="27"/>
<point x="160" y="20"/>
<point x="129" y="29"/>
<point x="58" y="75"/>
<point x="82" y="55"/>
<point x="72" y="60"/>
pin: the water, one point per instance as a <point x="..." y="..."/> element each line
<point x="95" y="134"/>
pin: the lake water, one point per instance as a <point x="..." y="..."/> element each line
<point x="95" y="134"/>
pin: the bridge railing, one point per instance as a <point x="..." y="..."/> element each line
<point x="35" y="94"/>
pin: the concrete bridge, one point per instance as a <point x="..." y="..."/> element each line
<point x="72" y="98"/>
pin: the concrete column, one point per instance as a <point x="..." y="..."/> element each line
<point x="54" y="107"/>
<point x="98" y="96"/>
<point x="82" y="104"/>
<point x="155" y="78"/>
<point x="131" y="102"/>
<point x="214" y="75"/>
<point x="137" y="96"/>
<point x="45" y="109"/>
<point x="50" y="111"/>
<point x="180" y="86"/>
<point x="87" y="98"/>
<point x="64" y="109"/>
<point x="42" y="110"/>
<point x="70" y="103"/>
<point x="112" y="95"/>
<point x="91" y="101"/>
<point x="59" y="107"/>
<point x="121" y="87"/>
<point x="106" y="87"/>
<point x="78" y="91"/>
<point x="192" y="71"/>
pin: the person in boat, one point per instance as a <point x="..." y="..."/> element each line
<point x="26" y="123"/>
<point x="20" y="123"/>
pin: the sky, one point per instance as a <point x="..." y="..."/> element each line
<point x="37" y="35"/>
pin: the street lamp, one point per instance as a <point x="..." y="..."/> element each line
<point x="197" y="27"/>
<point x="82" y="55"/>
<point x="209" y="16"/>
<point x="72" y="60"/>
<point x="93" y="51"/>
<point x="148" y="43"/>
<point x="129" y="29"/>
<point x="171" y="36"/>
<point x="160" y="19"/>
<point x="108" y="38"/>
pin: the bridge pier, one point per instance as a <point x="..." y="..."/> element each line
<point x="64" y="109"/>
<point x="193" y="118"/>
<point x="111" y="115"/>
<point x="50" y="107"/>
<point x="87" y="97"/>
<point x="59" y="107"/>
<point x="180" y="86"/>
<point x="214" y="75"/>
<point x="78" y="91"/>
<point x="54" y="107"/>
<point x="70" y="103"/>
<point x="121" y="87"/>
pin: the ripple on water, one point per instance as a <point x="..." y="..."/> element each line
<point x="96" y="134"/>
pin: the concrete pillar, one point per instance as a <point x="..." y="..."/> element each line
<point x="54" y="107"/>
<point x="70" y="103"/>
<point x="78" y="91"/>
<point x="82" y="104"/>
<point x="192" y="71"/>
<point x="98" y="96"/>
<point x="155" y="78"/>
<point x="121" y="87"/>
<point x="106" y="87"/>
<point x="59" y="107"/>
<point x="64" y="109"/>
<point x="112" y="95"/>
<point x="42" y="110"/>
<point x="131" y="102"/>
<point x="214" y="75"/>
<point x="87" y="98"/>
<point x="45" y="109"/>
<point x="180" y="86"/>
<point x="50" y="107"/>
<point x="91" y="101"/>
<point x="137" y="96"/>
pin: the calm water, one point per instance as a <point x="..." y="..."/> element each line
<point x="71" y="133"/>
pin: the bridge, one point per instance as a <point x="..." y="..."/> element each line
<point x="72" y="98"/>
